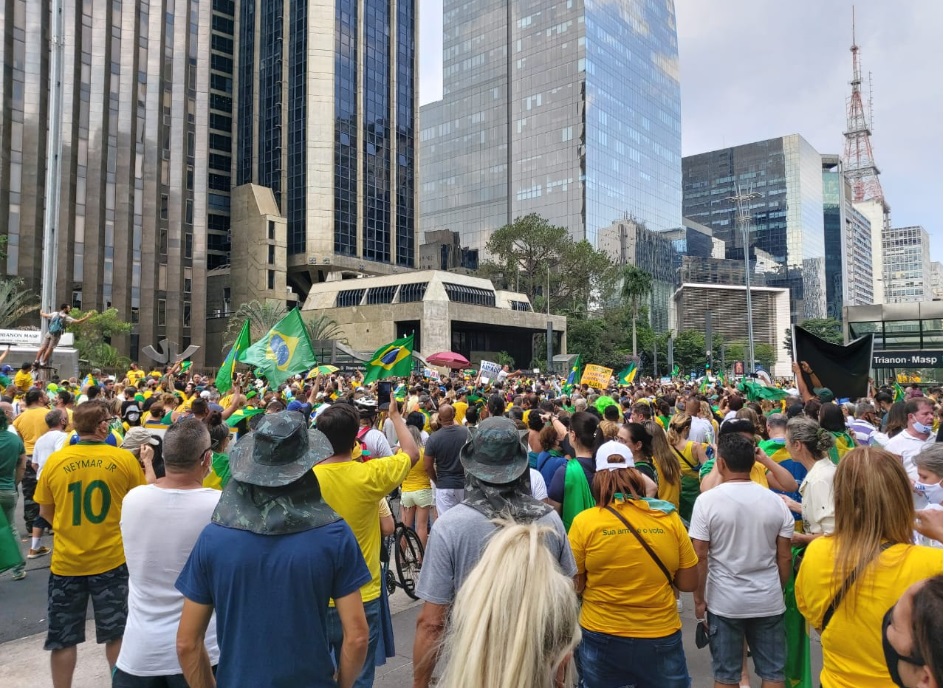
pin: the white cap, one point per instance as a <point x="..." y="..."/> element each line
<point x="614" y="448"/>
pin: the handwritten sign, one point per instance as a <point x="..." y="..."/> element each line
<point x="596" y="376"/>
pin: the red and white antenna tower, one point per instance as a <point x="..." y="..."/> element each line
<point x="858" y="161"/>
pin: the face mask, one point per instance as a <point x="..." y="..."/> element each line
<point x="891" y="654"/>
<point x="934" y="492"/>
<point x="921" y="428"/>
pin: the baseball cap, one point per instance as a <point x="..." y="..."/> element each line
<point x="609" y="450"/>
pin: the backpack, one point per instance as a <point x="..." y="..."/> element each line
<point x="56" y="325"/>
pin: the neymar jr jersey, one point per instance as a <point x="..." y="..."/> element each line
<point x="87" y="483"/>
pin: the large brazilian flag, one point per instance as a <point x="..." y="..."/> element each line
<point x="283" y="351"/>
<point x="391" y="360"/>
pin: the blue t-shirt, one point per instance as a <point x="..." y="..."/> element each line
<point x="270" y="593"/>
<point x="547" y="465"/>
<point x="555" y="488"/>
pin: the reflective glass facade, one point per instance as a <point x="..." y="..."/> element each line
<point x="326" y="117"/>
<point x="569" y="109"/>
<point x="786" y="215"/>
<point x="144" y="111"/>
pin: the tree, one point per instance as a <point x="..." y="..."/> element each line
<point x="542" y="261"/>
<point x="93" y="337"/>
<point x="637" y="284"/>
<point x="827" y="329"/>
<point x="323" y="329"/>
<point x="15" y="302"/>
<point x="262" y="317"/>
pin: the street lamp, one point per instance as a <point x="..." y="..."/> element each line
<point x="744" y="223"/>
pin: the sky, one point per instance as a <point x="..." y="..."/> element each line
<point x="757" y="69"/>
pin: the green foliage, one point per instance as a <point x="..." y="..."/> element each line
<point x="323" y="329"/>
<point x="541" y="260"/>
<point x="504" y="358"/>
<point x="262" y="317"/>
<point x="92" y="338"/>
<point x="827" y="329"/>
<point x="15" y="302"/>
<point x="637" y="285"/>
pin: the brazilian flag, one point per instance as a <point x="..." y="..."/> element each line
<point x="241" y="415"/>
<point x="627" y="374"/>
<point x="224" y="378"/>
<point x="283" y="351"/>
<point x="574" y="376"/>
<point x="391" y="360"/>
<point x="899" y="393"/>
<point x="676" y="370"/>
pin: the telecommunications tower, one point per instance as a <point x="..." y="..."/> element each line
<point x="858" y="162"/>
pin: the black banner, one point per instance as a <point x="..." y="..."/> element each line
<point x="844" y="370"/>
<point x="906" y="359"/>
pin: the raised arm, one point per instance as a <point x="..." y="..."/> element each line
<point x="404" y="437"/>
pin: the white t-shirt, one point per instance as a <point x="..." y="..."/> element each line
<point x="538" y="486"/>
<point x="907" y="446"/>
<point x="159" y="528"/>
<point x="52" y="441"/>
<point x="377" y="444"/>
<point x="701" y="430"/>
<point x="819" y="502"/>
<point x="741" y="521"/>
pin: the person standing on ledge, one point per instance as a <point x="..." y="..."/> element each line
<point x="57" y="325"/>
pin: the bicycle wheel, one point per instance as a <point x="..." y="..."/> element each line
<point x="408" y="555"/>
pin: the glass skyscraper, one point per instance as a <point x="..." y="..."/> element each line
<point x="786" y="213"/>
<point x="569" y="109"/>
<point x="326" y="117"/>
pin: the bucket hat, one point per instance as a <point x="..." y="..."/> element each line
<point x="495" y="453"/>
<point x="279" y="451"/>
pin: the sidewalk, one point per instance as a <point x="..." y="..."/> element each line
<point x="24" y="663"/>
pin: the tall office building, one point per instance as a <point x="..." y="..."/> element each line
<point x="908" y="275"/>
<point x="136" y="151"/>
<point x="326" y="107"/>
<point x="786" y="214"/>
<point x="848" y="242"/>
<point x="937" y="281"/>
<point x="570" y="110"/>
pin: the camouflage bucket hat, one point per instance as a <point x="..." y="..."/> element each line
<point x="495" y="453"/>
<point x="279" y="451"/>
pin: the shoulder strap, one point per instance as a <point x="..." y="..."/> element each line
<point x="846" y="586"/>
<point x="682" y="457"/>
<point x="655" y="557"/>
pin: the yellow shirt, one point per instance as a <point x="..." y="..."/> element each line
<point x="852" y="643"/>
<point x="87" y="483"/>
<point x="460" y="407"/>
<point x="352" y="489"/>
<point x="134" y="377"/>
<point x="627" y="595"/>
<point x="668" y="491"/>
<point x="23" y="380"/>
<point x="417" y="479"/>
<point x="689" y="463"/>
<point x="31" y="424"/>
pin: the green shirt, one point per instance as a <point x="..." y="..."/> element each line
<point x="11" y="449"/>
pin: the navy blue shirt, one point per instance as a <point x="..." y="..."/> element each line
<point x="547" y="465"/>
<point x="270" y="593"/>
<point x="555" y="489"/>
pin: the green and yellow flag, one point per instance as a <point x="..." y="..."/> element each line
<point x="574" y="376"/>
<point x="283" y="351"/>
<point x="627" y="374"/>
<point x="676" y="370"/>
<point x="899" y="393"/>
<point x="391" y="360"/>
<point x="224" y="378"/>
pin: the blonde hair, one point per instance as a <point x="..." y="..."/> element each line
<point x="679" y="427"/>
<point x="515" y="621"/>
<point x="662" y="454"/>
<point x="873" y="506"/>
<point x="609" y="429"/>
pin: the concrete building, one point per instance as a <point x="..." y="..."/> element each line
<point x="937" y="280"/>
<point x="848" y="242"/>
<point x="325" y="117"/>
<point x="630" y="243"/>
<point x="907" y="265"/>
<point x="568" y="110"/>
<point x="140" y="120"/>
<point x="442" y="250"/>
<point x="728" y="306"/>
<point x="876" y="214"/>
<point x="786" y="215"/>
<point x="443" y="310"/>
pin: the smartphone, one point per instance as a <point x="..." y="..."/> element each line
<point x="383" y="390"/>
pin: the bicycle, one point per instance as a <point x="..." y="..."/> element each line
<point x="407" y="554"/>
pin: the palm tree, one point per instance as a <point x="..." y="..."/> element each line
<point x="15" y="302"/>
<point x="637" y="285"/>
<point x="262" y="317"/>
<point x="323" y="329"/>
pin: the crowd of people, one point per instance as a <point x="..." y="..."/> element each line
<point x="235" y="537"/>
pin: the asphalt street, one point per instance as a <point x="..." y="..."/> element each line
<point x="23" y="624"/>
